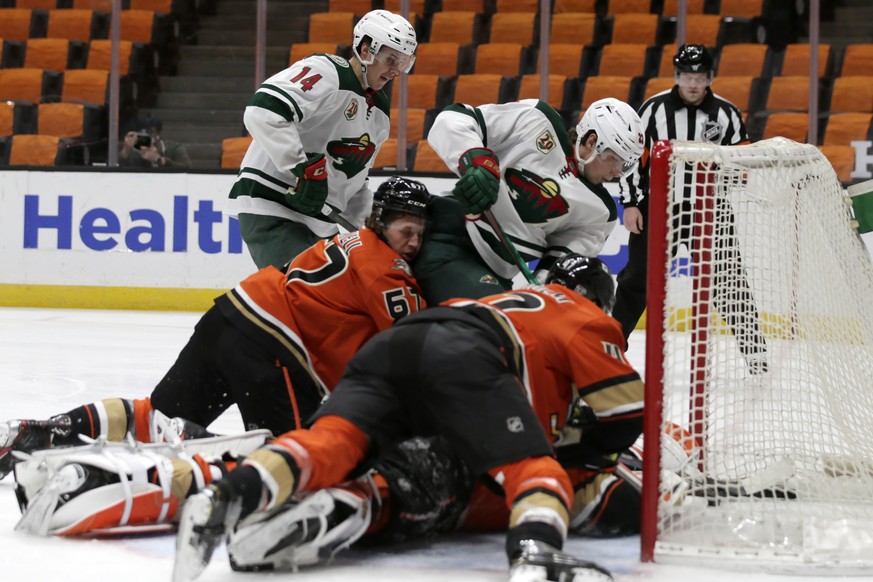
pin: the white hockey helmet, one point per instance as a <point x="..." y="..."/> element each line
<point x="385" y="28"/>
<point x="618" y="128"/>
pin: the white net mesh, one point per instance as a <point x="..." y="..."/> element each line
<point x="768" y="361"/>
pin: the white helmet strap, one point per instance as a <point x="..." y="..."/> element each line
<point x="579" y="160"/>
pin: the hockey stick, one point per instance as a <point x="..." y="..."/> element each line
<point x="338" y="218"/>
<point x="507" y="244"/>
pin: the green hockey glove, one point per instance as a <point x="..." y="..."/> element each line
<point x="479" y="183"/>
<point x="310" y="193"/>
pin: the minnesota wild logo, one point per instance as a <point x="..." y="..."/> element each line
<point x="351" y="154"/>
<point x="536" y="199"/>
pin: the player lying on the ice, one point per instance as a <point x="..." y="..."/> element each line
<point x="275" y="345"/>
<point x="528" y="355"/>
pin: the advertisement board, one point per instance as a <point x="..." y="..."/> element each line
<point x="103" y="239"/>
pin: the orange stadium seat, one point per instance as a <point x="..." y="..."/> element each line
<point x="529" y="6"/>
<point x="85" y="85"/>
<point x="459" y="27"/>
<point x="665" y="66"/>
<point x="791" y="125"/>
<point x="17" y="117"/>
<point x="233" y="150"/>
<point x="437" y="58"/>
<point x="72" y="24"/>
<point x="857" y="60"/>
<point x="500" y="58"/>
<point x="21" y="84"/>
<point x="7" y="118"/>
<point x="514" y="27"/>
<point x="301" y="50"/>
<point x="788" y="93"/>
<point x="622" y="60"/>
<point x="605" y="86"/>
<point x="100" y="55"/>
<point x="74" y="120"/>
<point x="387" y="156"/>
<point x="138" y="25"/>
<point x="38" y="4"/>
<point x="422" y="91"/>
<point x="335" y="27"/>
<point x="741" y="8"/>
<point x="575" y="6"/>
<point x="737" y="90"/>
<point x="102" y="5"/>
<point x="414" y="124"/>
<point x="842" y="158"/>
<point x="629" y="6"/>
<point x="15" y="23"/>
<point x="47" y="53"/>
<point x="478" y="89"/>
<point x="656" y="85"/>
<point x="159" y="6"/>
<point x="844" y="128"/>
<point x="34" y="150"/>
<point x="702" y="29"/>
<point x="477" y="6"/>
<point x="742" y="59"/>
<point x="427" y="160"/>
<point x="574" y="28"/>
<point x="635" y="28"/>
<point x="530" y="89"/>
<point x="671" y="7"/>
<point x="356" y="7"/>
<point x="852" y="94"/>
<point x="796" y="59"/>
<point x="564" y="59"/>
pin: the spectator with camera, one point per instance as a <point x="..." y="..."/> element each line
<point x="130" y="154"/>
<point x="160" y="152"/>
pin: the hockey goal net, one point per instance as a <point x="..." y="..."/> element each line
<point x="759" y="368"/>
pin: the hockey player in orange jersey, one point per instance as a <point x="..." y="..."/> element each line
<point x="470" y="372"/>
<point x="275" y="345"/>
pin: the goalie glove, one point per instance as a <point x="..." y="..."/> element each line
<point x="480" y="181"/>
<point x="301" y="533"/>
<point x="310" y="193"/>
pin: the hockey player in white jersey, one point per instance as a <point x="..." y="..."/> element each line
<point x="317" y="127"/>
<point x="543" y="184"/>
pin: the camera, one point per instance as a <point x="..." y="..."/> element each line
<point x="143" y="140"/>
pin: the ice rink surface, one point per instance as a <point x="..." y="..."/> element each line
<point x="54" y="360"/>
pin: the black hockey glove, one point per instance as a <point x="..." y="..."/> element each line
<point x="310" y="193"/>
<point x="479" y="183"/>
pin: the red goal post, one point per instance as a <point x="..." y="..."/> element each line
<point x="759" y="363"/>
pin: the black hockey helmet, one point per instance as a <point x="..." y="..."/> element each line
<point x="587" y="276"/>
<point x="693" y="58"/>
<point x="399" y="195"/>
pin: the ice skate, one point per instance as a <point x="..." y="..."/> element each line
<point x="301" y="533"/>
<point x="27" y="436"/>
<point x="206" y="519"/>
<point x="537" y="561"/>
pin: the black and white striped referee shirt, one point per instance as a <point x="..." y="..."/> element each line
<point x="667" y="116"/>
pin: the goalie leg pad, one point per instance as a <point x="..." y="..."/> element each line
<point x="303" y="533"/>
<point x="119" y="486"/>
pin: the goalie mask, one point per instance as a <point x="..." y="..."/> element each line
<point x="618" y="128"/>
<point x="385" y="29"/>
<point x="587" y="276"/>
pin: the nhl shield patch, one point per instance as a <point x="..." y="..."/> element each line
<point x="711" y="131"/>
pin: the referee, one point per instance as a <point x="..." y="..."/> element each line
<point x="688" y="111"/>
